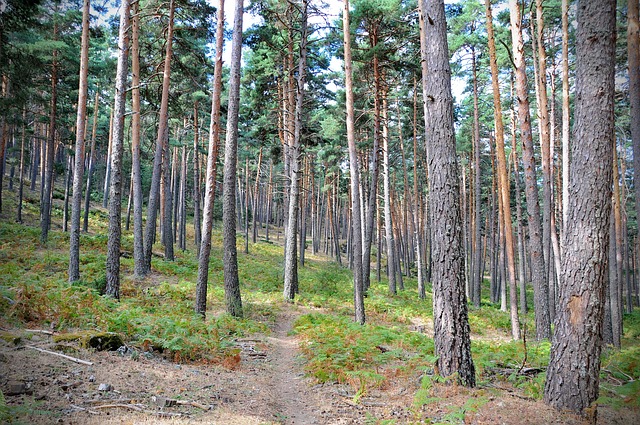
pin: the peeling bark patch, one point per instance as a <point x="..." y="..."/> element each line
<point x="576" y="306"/>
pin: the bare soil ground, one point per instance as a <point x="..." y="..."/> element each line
<point x="265" y="384"/>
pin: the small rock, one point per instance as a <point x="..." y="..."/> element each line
<point x="105" y="387"/>
<point x="92" y="378"/>
<point x="16" y="388"/>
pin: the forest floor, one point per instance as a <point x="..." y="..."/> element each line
<point x="304" y="363"/>
<point x="264" y="384"/>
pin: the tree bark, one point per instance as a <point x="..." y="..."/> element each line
<point x="197" y="226"/>
<point x="210" y="184"/>
<point x="503" y="177"/>
<point x="451" y="324"/>
<point x="540" y="284"/>
<point x="47" y="186"/>
<point x="115" y="193"/>
<point x="74" y="237"/>
<point x="160" y="165"/>
<point x="136" y="177"/>
<point x="573" y="372"/>
<point x="354" y="169"/>
<point x="230" y="260"/>
<point x="92" y="160"/>
<point x="290" y="260"/>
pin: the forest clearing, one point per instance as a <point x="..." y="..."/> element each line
<point x="274" y="212"/>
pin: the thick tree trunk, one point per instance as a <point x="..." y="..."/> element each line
<point x="577" y="338"/>
<point x="115" y="193"/>
<point x="210" y="185"/>
<point x="539" y="277"/>
<point x="78" y="174"/>
<point x="451" y="324"/>
<point x="230" y="260"/>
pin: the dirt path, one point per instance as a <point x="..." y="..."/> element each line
<point x="294" y="401"/>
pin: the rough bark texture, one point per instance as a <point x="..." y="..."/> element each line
<point x="358" y="284"/>
<point x="451" y="324"/>
<point x="573" y="373"/>
<point x="210" y="184"/>
<point x="74" y="238"/>
<point x="230" y="259"/>
<point x="136" y="177"/>
<point x="115" y="192"/>
<point x="539" y="278"/>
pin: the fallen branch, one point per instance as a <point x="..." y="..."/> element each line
<point x="123" y="406"/>
<point x="84" y="409"/>
<point x="39" y="331"/>
<point x="64" y="356"/>
<point x="194" y="404"/>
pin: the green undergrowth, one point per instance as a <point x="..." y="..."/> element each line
<point x="337" y="349"/>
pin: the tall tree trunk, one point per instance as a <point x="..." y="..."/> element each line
<point x="633" y="49"/>
<point x="254" y="207"/>
<point x="163" y="137"/>
<point x="107" y="172"/>
<point x="23" y="137"/>
<point x="539" y="278"/>
<point x="47" y="186"/>
<point x="115" y="193"/>
<point x="290" y="260"/>
<point x="92" y="160"/>
<point x="503" y="178"/>
<point x="576" y="341"/>
<point x="136" y="176"/>
<point x="476" y="280"/>
<point x="197" y="226"/>
<point x="566" y="112"/>
<point x="372" y="202"/>
<point x="160" y="165"/>
<point x="354" y="169"/>
<point x="210" y="185"/>
<point x="78" y="174"/>
<point x="230" y="260"/>
<point x="451" y="324"/>
<point x="388" y="221"/>
<point x="417" y="230"/>
<point x="545" y="138"/>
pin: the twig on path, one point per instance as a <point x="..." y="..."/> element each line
<point x="64" y="356"/>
